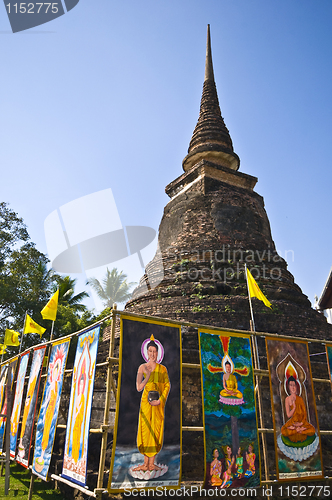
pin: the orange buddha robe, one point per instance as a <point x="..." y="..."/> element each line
<point x="300" y="415"/>
<point x="151" y="418"/>
<point x="76" y="443"/>
<point x="49" y="417"/>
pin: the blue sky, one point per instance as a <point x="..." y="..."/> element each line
<point x="107" y="96"/>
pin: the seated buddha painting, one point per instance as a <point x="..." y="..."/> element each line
<point x="298" y="450"/>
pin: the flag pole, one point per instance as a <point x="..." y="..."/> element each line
<point x="257" y="388"/>
<point x="51" y="337"/>
<point x="25" y="320"/>
<point x="251" y="310"/>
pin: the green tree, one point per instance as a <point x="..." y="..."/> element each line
<point x="27" y="283"/>
<point x="114" y="288"/>
<point x="67" y="295"/>
<point x="72" y="315"/>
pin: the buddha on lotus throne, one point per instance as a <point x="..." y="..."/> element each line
<point x="298" y="439"/>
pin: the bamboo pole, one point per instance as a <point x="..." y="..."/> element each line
<point x="260" y="408"/>
<point x="110" y="385"/>
<point x="45" y="374"/>
<point x="32" y="480"/>
<point x="9" y="410"/>
<point x="22" y="334"/>
<point x="84" y="490"/>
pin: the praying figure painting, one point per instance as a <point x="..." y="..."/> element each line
<point x="48" y="415"/>
<point x="29" y="408"/>
<point x="328" y="348"/>
<point x="298" y="447"/>
<point x="78" y="424"/>
<point x="147" y="442"/>
<point x="229" y="412"/>
<point x="16" y="410"/>
<point x="5" y="370"/>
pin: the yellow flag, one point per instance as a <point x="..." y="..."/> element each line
<point x="2" y="349"/>
<point x="50" y="310"/>
<point x="11" y="337"/>
<point x="255" y="291"/>
<point x="32" y="327"/>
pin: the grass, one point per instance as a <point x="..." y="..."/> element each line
<point x="20" y="483"/>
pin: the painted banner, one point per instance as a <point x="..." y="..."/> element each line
<point x="232" y="457"/>
<point x="296" y="431"/>
<point x="29" y="409"/>
<point x="48" y="415"/>
<point x="328" y="348"/>
<point x="78" y="424"/>
<point x="147" y="435"/>
<point x="4" y="396"/>
<point x="16" y="411"/>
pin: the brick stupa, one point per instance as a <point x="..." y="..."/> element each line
<point x="215" y="223"/>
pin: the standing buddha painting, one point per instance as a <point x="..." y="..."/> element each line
<point x="296" y="430"/>
<point x="147" y="439"/>
<point x="229" y="413"/>
<point x="77" y="435"/>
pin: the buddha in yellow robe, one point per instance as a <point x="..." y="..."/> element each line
<point x="151" y="376"/>
<point x="78" y="420"/>
<point x="297" y="428"/>
<point x="229" y="381"/>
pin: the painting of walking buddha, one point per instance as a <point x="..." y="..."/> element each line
<point x="78" y="424"/>
<point x="147" y="443"/>
<point x="298" y="448"/>
<point x="229" y="412"/>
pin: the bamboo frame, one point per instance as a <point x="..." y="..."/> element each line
<point x="110" y="386"/>
<point x="111" y="361"/>
<point x="260" y="404"/>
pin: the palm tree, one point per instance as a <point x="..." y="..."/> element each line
<point x="114" y="288"/>
<point x="66" y="287"/>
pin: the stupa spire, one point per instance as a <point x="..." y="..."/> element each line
<point x="210" y="140"/>
<point x="208" y="60"/>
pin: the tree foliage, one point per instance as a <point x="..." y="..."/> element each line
<point x="114" y="288"/>
<point x="27" y="283"/>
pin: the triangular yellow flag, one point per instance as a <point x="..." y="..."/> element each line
<point x="50" y="310"/>
<point x="11" y="337"/>
<point x="2" y="349"/>
<point x="255" y="291"/>
<point x="32" y="327"/>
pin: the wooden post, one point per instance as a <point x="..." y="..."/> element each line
<point x="109" y="386"/>
<point x="31" y="486"/>
<point x="260" y="404"/>
<point x="9" y="410"/>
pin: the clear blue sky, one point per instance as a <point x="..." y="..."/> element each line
<point x="107" y="96"/>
